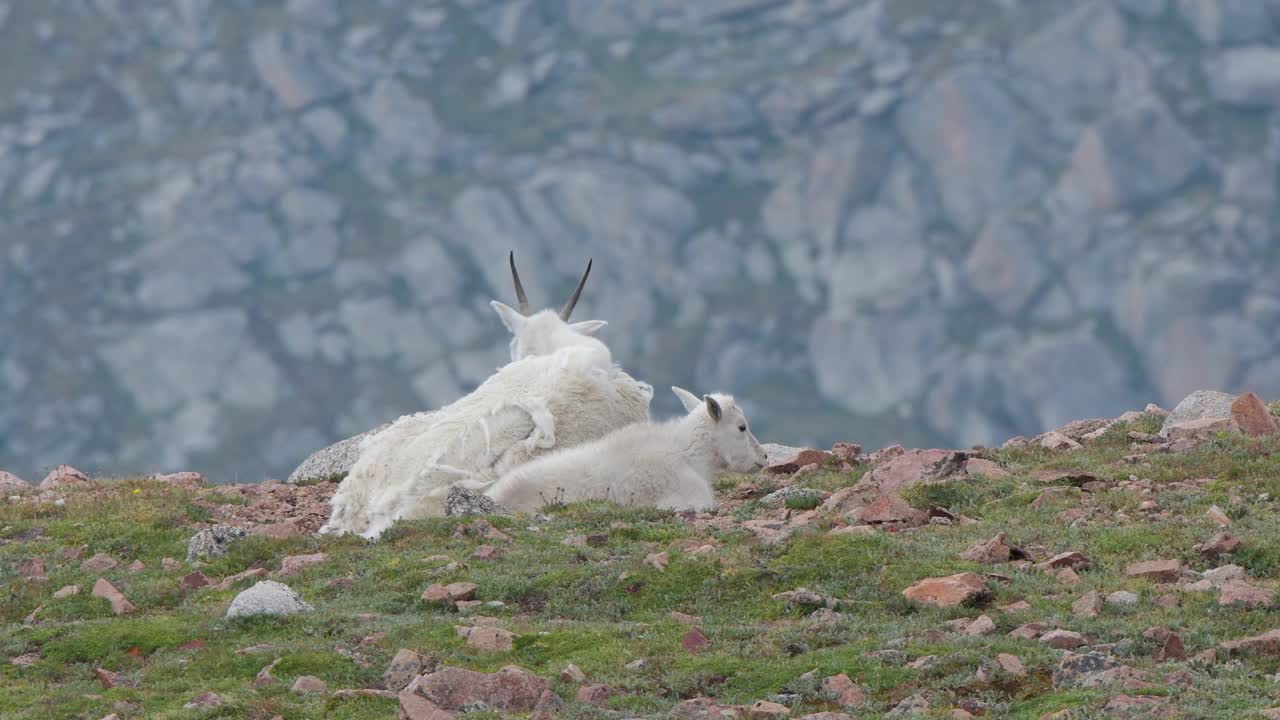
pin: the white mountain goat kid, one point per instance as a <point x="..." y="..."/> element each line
<point x="567" y="393"/>
<point x="667" y="465"/>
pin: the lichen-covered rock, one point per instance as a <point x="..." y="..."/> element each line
<point x="332" y="462"/>
<point x="1076" y="670"/>
<point x="461" y="501"/>
<point x="212" y="541"/>
<point x="1197" y="406"/>
<point x="268" y="597"/>
<point x="405" y="666"/>
<point x="791" y="494"/>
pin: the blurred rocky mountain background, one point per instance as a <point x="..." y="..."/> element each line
<point x="234" y="231"/>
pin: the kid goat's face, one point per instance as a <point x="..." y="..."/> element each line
<point x="737" y="447"/>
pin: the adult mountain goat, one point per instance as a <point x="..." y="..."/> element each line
<point x="667" y="465"/>
<point x="561" y="389"/>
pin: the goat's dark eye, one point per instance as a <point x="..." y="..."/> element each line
<point x="742" y="428"/>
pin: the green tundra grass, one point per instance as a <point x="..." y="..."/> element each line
<point x="602" y="607"/>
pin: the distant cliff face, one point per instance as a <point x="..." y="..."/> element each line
<point x="233" y="232"/>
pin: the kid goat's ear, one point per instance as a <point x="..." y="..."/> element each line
<point x="713" y="407"/>
<point x="688" y="399"/>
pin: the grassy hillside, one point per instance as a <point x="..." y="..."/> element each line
<point x="588" y="585"/>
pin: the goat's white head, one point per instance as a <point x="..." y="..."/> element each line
<point x="737" y="450"/>
<point x="545" y="331"/>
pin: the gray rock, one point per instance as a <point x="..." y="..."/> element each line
<point x="461" y="502"/>
<point x="1137" y="153"/>
<point x="1073" y="66"/>
<point x="1122" y="598"/>
<point x="802" y="105"/>
<point x="1144" y="9"/>
<point x="1248" y="76"/>
<point x="870" y="363"/>
<point x="404" y="121"/>
<point x="610" y="18"/>
<point x="842" y="171"/>
<point x="976" y="140"/>
<point x="167" y="280"/>
<point x="969" y="403"/>
<point x="1007" y="265"/>
<point x="1099" y="378"/>
<point x="1250" y="181"/>
<point x="178" y="359"/>
<point x="914" y="705"/>
<point x="212" y="541"/>
<point x="295" y="81"/>
<point x="1199" y="405"/>
<point x="777" y="453"/>
<point x="333" y="462"/>
<point x="1220" y="576"/>
<point x="1220" y="23"/>
<point x="304" y="207"/>
<point x="876" y="102"/>
<point x="520" y="23"/>
<point x="268" y="597"/>
<point x="321" y="12"/>
<point x="1082" y="670"/>
<point x="1183" y="316"/>
<point x="707" y="114"/>
<point x="327" y="126"/>
<point x="405" y="666"/>
<point x="604" y="203"/>
<point x="883" y="248"/>
<point x="790" y="493"/>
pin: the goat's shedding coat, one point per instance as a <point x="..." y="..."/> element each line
<point x="527" y="407"/>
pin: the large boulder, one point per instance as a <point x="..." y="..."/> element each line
<point x="268" y="597"/>
<point x="333" y="462"/>
<point x="1073" y="66"/>
<point x="1137" y="153"/>
<point x="1199" y="405"/>
<point x="1220" y="23"/>
<point x="975" y="139"/>
<point x="1248" y="77"/>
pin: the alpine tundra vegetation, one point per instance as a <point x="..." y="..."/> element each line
<point x="1100" y="570"/>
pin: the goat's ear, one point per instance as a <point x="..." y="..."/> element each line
<point x="713" y="407"/>
<point x="588" y="327"/>
<point x="510" y="316"/>
<point x="688" y="399"/>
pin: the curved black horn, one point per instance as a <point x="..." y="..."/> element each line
<point x="522" y="301"/>
<point x="577" y="293"/>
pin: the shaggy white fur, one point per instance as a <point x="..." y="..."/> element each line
<point x="560" y="389"/>
<point x="521" y="412"/>
<point x="666" y="465"/>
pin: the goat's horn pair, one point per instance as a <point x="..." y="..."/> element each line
<point x="523" y="301"/>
